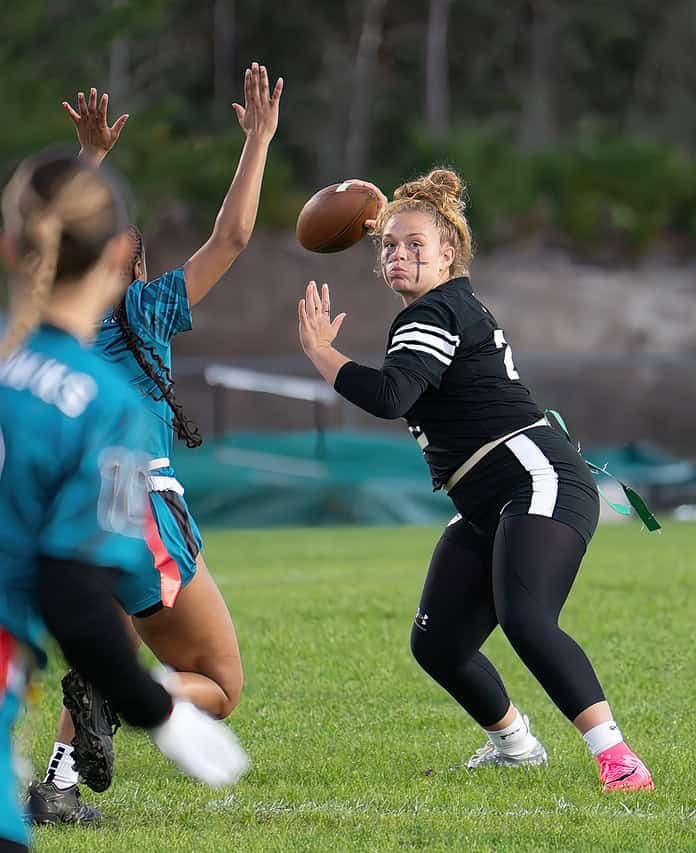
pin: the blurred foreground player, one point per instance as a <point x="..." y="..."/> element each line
<point x="178" y="611"/>
<point x="526" y="501"/>
<point x="72" y="472"/>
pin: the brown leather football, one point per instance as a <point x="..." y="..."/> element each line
<point x="332" y="219"/>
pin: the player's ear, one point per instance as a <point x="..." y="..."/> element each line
<point x="447" y="254"/>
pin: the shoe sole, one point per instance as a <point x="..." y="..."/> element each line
<point x="646" y="786"/>
<point x="537" y="762"/>
<point x="94" y="753"/>
<point x="59" y="821"/>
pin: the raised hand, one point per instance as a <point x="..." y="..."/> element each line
<point x="317" y="330"/>
<point x="94" y="134"/>
<point x="383" y="200"/>
<point x="259" y="115"/>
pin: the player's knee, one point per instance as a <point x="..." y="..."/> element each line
<point x="422" y="649"/>
<point x="231" y="687"/>
<point x="519" y="628"/>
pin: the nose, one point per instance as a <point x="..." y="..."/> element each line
<point x="399" y="253"/>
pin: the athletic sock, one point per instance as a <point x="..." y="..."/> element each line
<point x="602" y="737"/>
<point x="60" y="767"/>
<point x="515" y="739"/>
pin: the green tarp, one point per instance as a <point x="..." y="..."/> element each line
<point x="298" y="479"/>
<point x="302" y="479"/>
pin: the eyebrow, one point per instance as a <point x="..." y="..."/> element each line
<point x="412" y="234"/>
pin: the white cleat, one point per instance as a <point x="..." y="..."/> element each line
<point x="489" y="756"/>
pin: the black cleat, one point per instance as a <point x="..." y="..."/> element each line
<point x="48" y="805"/>
<point x="95" y="724"/>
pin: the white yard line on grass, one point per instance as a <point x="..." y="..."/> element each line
<point x="359" y="808"/>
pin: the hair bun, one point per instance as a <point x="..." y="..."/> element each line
<point x="441" y="187"/>
<point x="448" y="181"/>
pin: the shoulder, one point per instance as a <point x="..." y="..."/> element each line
<point x="159" y="308"/>
<point x="171" y="283"/>
<point x="172" y="280"/>
<point x="462" y="302"/>
<point x="451" y="307"/>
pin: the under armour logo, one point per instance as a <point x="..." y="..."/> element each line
<point x="422" y="620"/>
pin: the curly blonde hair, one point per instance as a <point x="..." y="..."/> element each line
<point x="60" y="215"/>
<point x="440" y="195"/>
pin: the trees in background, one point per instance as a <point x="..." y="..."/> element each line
<point x="547" y="106"/>
<point x="437" y="68"/>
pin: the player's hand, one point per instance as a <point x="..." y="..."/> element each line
<point x="201" y="746"/>
<point x="317" y="330"/>
<point x="95" y="136"/>
<point x="258" y="118"/>
<point x="383" y="200"/>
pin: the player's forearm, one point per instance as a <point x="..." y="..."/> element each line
<point x="93" y="156"/>
<point x="388" y="393"/>
<point x="237" y="215"/>
<point x="328" y="361"/>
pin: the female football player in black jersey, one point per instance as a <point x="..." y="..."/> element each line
<point x="526" y="502"/>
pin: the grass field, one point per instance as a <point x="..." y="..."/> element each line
<point x="353" y="746"/>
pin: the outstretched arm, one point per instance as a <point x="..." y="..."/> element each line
<point x="235" y="221"/>
<point x="386" y="393"/>
<point x="94" y="134"/>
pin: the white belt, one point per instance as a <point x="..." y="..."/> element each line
<point x="154" y="464"/>
<point x="162" y="483"/>
<point x="476" y="457"/>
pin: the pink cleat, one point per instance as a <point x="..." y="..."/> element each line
<point x="620" y="769"/>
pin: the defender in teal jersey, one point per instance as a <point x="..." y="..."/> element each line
<point x="179" y="611"/>
<point x="137" y="337"/>
<point x="73" y="466"/>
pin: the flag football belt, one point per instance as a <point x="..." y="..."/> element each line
<point x="160" y="482"/>
<point x="634" y="499"/>
<point x="485" y="449"/>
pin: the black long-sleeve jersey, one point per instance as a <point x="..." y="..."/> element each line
<point x="449" y="372"/>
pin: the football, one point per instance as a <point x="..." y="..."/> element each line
<point x="332" y="219"/>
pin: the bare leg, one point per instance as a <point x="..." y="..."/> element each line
<point x="197" y="639"/>
<point x="598" y="713"/>
<point x="507" y="720"/>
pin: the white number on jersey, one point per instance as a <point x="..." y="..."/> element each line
<point x="500" y="342"/>
<point x="123" y="491"/>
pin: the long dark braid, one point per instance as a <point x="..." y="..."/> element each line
<point x="185" y="429"/>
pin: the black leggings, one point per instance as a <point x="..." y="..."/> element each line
<point x="520" y="581"/>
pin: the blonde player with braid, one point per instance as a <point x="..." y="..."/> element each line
<point x="526" y="502"/>
<point x="72" y="472"/>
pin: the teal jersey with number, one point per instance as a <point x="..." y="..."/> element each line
<point x="73" y="465"/>
<point x="156" y="311"/>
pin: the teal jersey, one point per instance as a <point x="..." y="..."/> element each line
<point x="156" y="311"/>
<point x="73" y="469"/>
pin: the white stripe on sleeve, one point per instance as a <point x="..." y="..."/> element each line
<point x="542" y="472"/>
<point x="413" y="336"/>
<point x="426" y="327"/>
<point x="446" y="360"/>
